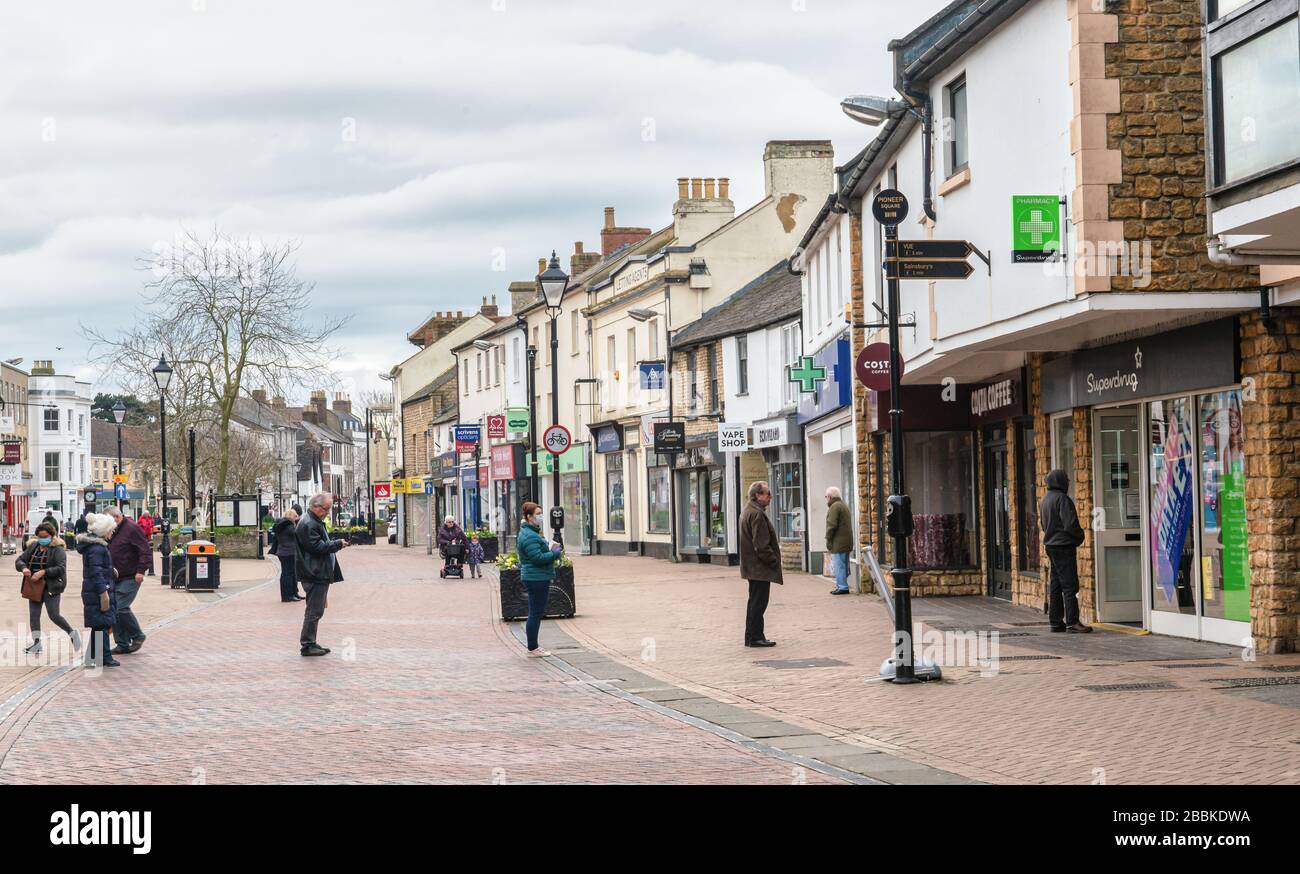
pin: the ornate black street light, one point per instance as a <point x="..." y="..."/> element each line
<point x="162" y="376"/>
<point x="554" y="282"/>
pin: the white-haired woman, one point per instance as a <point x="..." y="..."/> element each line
<point x="98" y="597"/>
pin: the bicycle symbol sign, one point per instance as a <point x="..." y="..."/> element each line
<point x="557" y="440"/>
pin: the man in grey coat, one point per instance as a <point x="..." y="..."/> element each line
<point x="317" y="568"/>
<point x="760" y="561"/>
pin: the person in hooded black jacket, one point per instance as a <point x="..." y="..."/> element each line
<point x="1062" y="535"/>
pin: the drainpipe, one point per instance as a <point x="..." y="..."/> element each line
<point x="1222" y="257"/>
<point x="927" y="143"/>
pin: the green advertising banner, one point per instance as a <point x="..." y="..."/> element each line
<point x="1035" y="227"/>
<point x="1235" y="557"/>
<point x="517" y="419"/>
<point x="574" y="460"/>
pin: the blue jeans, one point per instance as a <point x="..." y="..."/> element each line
<point x="538" y="593"/>
<point x="840" y="561"/>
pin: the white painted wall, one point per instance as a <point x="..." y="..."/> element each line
<point x="764" y="399"/>
<point x="1019" y="143"/>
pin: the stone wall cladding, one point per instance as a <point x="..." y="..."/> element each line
<point x="1270" y="364"/>
<point x="1160" y="132"/>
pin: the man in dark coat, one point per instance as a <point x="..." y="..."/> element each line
<point x="317" y="567"/>
<point x="132" y="558"/>
<point x="760" y="561"/>
<point x="286" y="550"/>
<point x="1062" y="535"/>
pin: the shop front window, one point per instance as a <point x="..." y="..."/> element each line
<point x="615" y="519"/>
<point x="1027" y="487"/>
<point x="787" y="488"/>
<point x="717" y="519"/>
<point x="1173" y="491"/>
<point x="1225" y="560"/>
<point x="1063" y="447"/>
<point x="658" y="486"/>
<point x="691" y="516"/>
<point x="941" y="481"/>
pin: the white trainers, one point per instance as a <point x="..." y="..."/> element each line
<point x="538" y="653"/>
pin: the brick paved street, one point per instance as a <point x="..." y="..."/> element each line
<point x="424" y="686"/>
<point x="1032" y="722"/>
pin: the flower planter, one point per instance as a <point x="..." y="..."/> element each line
<point x="514" y="597"/>
<point x="491" y="547"/>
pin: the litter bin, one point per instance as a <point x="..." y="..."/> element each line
<point x="202" y="566"/>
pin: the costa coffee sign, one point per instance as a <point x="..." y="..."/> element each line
<point x="872" y="367"/>
<point x="1003" y="398"/>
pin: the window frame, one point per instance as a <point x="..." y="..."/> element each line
<point x="1222" y="36"/>
<point x="952" y="89"/>
<point x="742" y="365"/>
<point x="50" y="416"/>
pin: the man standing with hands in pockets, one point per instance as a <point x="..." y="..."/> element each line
<point x="317" y="567"/>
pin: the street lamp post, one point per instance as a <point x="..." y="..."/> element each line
<point x="162" y="376"/>
<point x="554" y="282"/>
<point x="119" y="414"/>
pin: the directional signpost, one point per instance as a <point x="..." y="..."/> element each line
<point x="928" y="259"/>
<point x="889" y="208"/>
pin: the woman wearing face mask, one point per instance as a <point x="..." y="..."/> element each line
<point x="46" y="561"/>
<point x="536" y="569"/>
<point x="98" y="595"/>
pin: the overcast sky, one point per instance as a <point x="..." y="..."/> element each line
<point x="405" y="144"/>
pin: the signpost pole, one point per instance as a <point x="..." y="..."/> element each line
<point x="901" y="573"/>
<point x="555" y="417"/>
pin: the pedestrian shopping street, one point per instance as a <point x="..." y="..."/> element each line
<point x="649" y="683"/>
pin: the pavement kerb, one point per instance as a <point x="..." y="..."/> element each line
<point x="512" y="636"/>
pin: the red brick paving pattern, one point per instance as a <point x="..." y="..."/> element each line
<point x="1029" y="724"/>
<point x="423" y="686"/>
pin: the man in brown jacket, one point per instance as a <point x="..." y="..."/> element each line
<point x="760" y="561"/>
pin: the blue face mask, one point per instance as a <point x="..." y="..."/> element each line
<point x="44" y="541"/>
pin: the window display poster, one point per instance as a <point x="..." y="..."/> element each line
<point x="1235" y="557"/>
<point x="1171" y="510"/>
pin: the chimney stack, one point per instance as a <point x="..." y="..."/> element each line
<point x="489" y="309"/>
<point x="342" y="403"/>
<point x="259" y="395"/>
<point x="521" y="295"/>
<point x="613" y="237"/>
<point x="581" y="261"/>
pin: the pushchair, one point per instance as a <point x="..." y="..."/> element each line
<point x="453" y="561"/>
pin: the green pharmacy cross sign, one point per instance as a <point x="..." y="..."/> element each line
<point x="1035" y="228"/>
<point x="806" y="373"/>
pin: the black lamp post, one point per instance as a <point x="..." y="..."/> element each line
<point x="162" y="376"/>
<point x="119" y="414"/>
<point x="554" y="282"/>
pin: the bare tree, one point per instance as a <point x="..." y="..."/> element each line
<point x="230" y="315"/>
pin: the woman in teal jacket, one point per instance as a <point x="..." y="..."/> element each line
<point x="537" y="570"/>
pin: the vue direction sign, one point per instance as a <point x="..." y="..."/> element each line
<point x="928" y="269"/>
<point x="911" y="250"/>
<point x="557" y="439"/>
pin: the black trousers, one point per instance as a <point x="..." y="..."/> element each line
<point x="1063" y="593"/>
<point x="316" y="595"/>
<point x="759" y="591"/>
<point x="288" y="582"/>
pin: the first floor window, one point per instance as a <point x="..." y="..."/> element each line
<point x="658" y="488"/>
<point x="52" y="466"/>
<point x="615" y="518"/>
<point x="941" y="480"/>
<point x="51" y="420"/>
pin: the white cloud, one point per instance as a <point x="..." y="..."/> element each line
<point x="475" y="129"/>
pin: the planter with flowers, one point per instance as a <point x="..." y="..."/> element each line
<point x="562" y="602"/>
